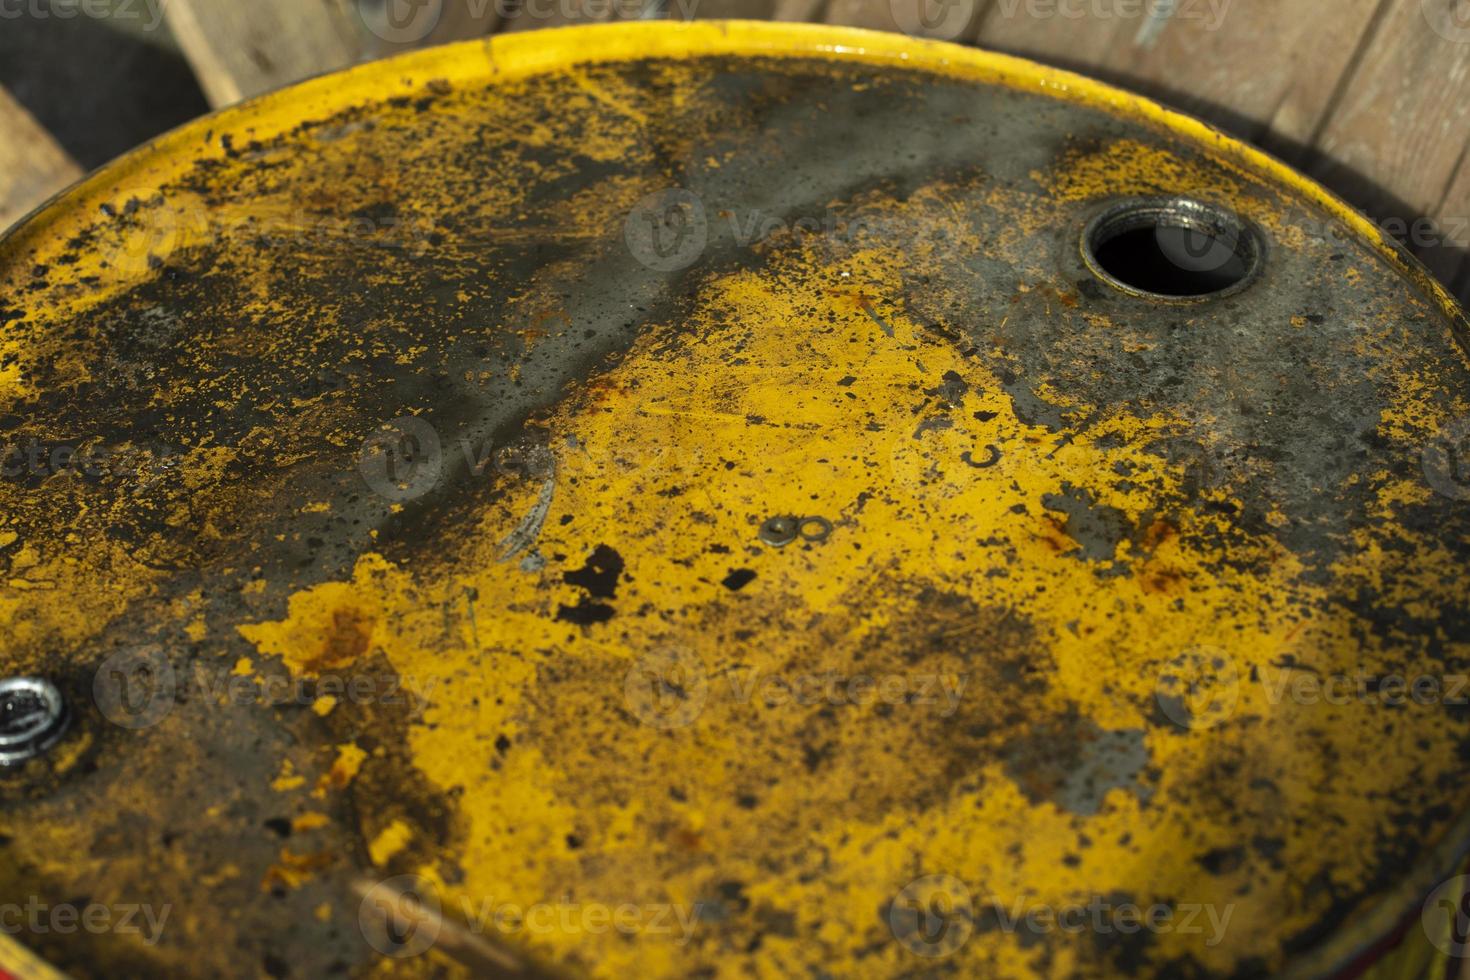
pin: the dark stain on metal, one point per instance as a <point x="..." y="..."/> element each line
<point x="738" y="579"/>
<point x="1097" y="528"/>
<point x="951" y="390"/>
<point x="585" y="612"/>
<point x="1072" y="762"/>
<point x="599" y="576"/>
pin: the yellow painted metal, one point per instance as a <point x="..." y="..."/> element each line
<point x="561" y="762"/>
<point x="19" y="963"/>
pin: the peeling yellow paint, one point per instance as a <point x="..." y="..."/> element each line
<point x="390" y="841"/>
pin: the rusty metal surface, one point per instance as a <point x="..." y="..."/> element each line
<point x="1051" y="553"/>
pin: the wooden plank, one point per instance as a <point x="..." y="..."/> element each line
<point x="240" y="49"/>
<point x="944" y="20"/>
<point x="1237" y="63"/>
<point x="787" y="10"/>
<point x="1265" y="69"/>
<point x="1398" y="133"/>
<point x="1448" y="254"/>
<point x="801" y="11"/>
<point x="1397" y="138"/>
<point x="32" y="165"/>
<point x="1067" y="33"/>
<point x="465" y="19"/>
<point x="393" y="26"/>
<point x="1335" y="44"/>
<point x="536" y="14"/>
<point x="872" y="14"/>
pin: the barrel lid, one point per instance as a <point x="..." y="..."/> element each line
<point x="733" y="499"/>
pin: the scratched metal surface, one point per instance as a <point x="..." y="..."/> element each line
<point x="1052" y="508"/>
